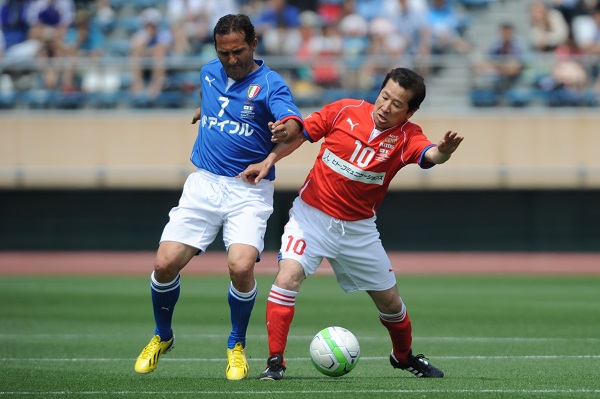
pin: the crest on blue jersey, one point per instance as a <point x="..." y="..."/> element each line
<point x="253" y="91"/>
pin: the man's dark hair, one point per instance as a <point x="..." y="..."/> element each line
<point x="411" y="81"/>
<point x="235" y="23"/>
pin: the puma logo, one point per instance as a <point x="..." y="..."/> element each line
<point x="168" y="309"/>
<point x="209" y="80"/>
<point x="351" y="124"/>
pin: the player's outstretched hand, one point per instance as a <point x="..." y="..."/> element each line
<point x="255" y="173"/>
<point x="196" y="117"/>
<point x="449" y="143"/>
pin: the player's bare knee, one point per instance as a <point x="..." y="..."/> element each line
<point x="387" y="301"/>
<point x="238" y="274"/>
<point x="240" y="267"/>
<point x="166" y="267"/>
<point x="242" y="275"/>
<point x="289" y="276"/>
<point x="165" y="271"/>
<point x="296" y="276"/>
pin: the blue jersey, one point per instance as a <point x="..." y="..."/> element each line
<point x="233" y="132"/>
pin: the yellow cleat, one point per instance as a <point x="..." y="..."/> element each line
<point x="148" y="359"/>
<point x="237" y="366"/>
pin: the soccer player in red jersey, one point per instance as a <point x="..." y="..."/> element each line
<point x="333" y="217"/>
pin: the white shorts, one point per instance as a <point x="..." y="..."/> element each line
<point x="209" y="202"/>
<point x="353" y="248"/>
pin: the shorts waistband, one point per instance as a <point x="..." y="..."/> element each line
<point x="225" y="179"/>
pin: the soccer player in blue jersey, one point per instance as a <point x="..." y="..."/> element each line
<point x="246" y="109"/>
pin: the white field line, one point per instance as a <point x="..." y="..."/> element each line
<point x="305" y="392"/>
<point x="25" y="336"/>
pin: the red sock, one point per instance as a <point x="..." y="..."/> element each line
<point x="280" y="312"/>
<point x="400" y="331"/>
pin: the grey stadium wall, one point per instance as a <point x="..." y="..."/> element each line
<point x="519" y="182"/>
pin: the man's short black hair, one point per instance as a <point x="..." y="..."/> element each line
<point x="411" y="81"/>
<point x="235" y="23"/>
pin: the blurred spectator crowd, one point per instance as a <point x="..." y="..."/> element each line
<point x="556" y="62"/>
<point x="71" y="54"/>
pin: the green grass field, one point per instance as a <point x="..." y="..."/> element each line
<point x="494" y="336"/>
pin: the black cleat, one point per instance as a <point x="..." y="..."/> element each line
<point x="418" y="365"/>
<point x="275" y="369"/>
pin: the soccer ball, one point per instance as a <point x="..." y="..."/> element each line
<point x="334" y="351"/>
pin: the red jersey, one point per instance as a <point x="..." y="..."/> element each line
<point x="353" y="171"/>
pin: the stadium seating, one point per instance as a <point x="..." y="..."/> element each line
<point x="450" y="85"/>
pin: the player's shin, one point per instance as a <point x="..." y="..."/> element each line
<point x="240" y="306"/>
<point x="400" y="330"/>
<point x="164" y="298"/>
<point x="280" y="313"/>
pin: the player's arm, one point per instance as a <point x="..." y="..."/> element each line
<point x="255" y="172"/>
<point x="444" y="149"/>
<point x="289" y="124"/>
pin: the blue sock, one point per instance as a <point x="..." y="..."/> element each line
<point x="240" y="306"/>
<point x="164" y="298"/>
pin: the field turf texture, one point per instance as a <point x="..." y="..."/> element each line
<point x="494" y="336"/>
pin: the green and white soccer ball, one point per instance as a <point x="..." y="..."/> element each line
<point x="334" y="351"/>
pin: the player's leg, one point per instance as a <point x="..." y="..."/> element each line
<point x="241" y="298"/>
<point x="192" y="226"/>
<point x="247" y="209"/>
<point x="364" y="265"/>
<point x="360" y="268"/>
<point x="280" y="313"/>
<point x="242" y="290"/>
<point x="394" y="317"/>
<point x="170" y="259"/>
<point x="302" y="250"/>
